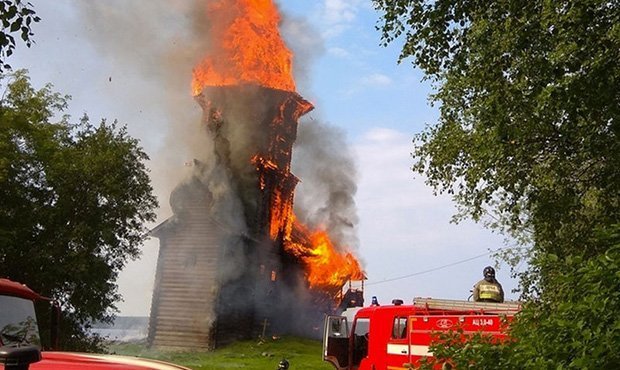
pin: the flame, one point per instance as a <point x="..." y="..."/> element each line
<point x="327" y="268"/>
<point x="280" y="206"/>
<point x="246" y="47"/>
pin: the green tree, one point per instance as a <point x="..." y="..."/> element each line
<point x="16" y="17"/>
<point x="527" y="139"/>
<point x="74" y="200"/>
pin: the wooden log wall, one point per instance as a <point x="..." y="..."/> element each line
<point x="186" y="285"/>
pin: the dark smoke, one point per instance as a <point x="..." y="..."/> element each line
<point x="325" y="196"/>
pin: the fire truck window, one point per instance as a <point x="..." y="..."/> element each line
<point x="399" y="328"/>
<point x="18" y="323"/>
<point x="360" y="340"/>
<point x="338" y="327"/>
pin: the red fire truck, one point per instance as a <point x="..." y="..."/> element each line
<point x="397" y="336"/>
<point x="20" y="343"/>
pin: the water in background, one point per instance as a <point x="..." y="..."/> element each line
<point x="124" y="329"/>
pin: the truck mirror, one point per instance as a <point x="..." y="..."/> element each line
<point x="15" y="357"/>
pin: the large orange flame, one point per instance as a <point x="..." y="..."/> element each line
<point x="327" y="268"/>
<point x="246" y="47"/>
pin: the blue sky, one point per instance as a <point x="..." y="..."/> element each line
<point x="129" y="60"/>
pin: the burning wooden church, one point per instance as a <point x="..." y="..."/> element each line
<point x="234" y="260"/>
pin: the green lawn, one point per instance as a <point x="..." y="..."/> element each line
<point x="250" y="355"/>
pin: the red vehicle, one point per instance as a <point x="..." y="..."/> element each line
<point x="20" y="344"/>
<point x="397" y="336"/>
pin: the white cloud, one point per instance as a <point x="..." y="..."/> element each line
<point x="383" y="136"/>
<point x="337" y="15"/>
<point x="372" y="81"/>
<point x="376" y="79"/>
<point x="340" y="11"/>
<point x="338" y="52"/>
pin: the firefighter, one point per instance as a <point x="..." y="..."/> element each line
<point x="488" y="289"/>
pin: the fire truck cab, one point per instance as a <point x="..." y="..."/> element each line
<point x="20" y="344"/>
<point x="397" y="336"/>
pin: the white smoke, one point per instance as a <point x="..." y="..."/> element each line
<point x="150" y="49"/>
<point x="307" y="46"/>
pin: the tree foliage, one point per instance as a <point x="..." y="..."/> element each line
<point x="457" y="350"/>
<point x="74" y="202"/>
<point x="16" y="17"/>
<point x="576" y="322"/>
<point x="528" y="140"/>
<point x="529" y="108"/>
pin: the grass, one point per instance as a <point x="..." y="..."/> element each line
<point x="249" y="355"/>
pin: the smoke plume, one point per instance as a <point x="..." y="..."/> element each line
<point x="156" y="45"/>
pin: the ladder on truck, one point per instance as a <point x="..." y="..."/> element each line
<point x="506" y="308"/>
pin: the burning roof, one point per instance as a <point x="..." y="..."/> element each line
<point x="245" y="48"/>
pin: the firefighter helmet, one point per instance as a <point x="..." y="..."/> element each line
<point x="489" y="272"/>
